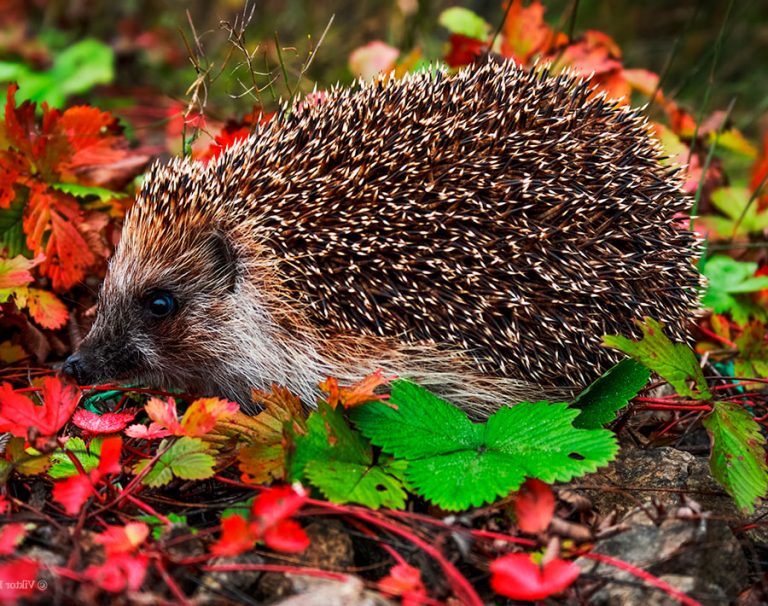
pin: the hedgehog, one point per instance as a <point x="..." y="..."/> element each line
<point x="476" y="232"/>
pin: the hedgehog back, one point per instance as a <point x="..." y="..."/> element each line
<point x="512" y="215"/>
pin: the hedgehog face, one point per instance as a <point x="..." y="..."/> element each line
<point x="155" y="310"/>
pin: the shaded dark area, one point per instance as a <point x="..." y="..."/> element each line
<point x="678" y="39"/>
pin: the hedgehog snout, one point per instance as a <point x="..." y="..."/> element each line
<point x="75" y="369"/>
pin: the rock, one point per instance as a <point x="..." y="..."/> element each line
<point x="323" y="592"/>
<point x="699" y="557"/>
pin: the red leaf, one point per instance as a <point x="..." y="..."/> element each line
<point x="119" y="573"/>
<point x="269" y="523"/>
<point x="534" y="506"/>
<point x="404" y="580"/>
<point x="287" y="536"/>
<point x="19" y="414"/>
<point x="123" y="539"/>
<point x="11" y="536"/>
<point x="73" y="492"/>
<point x="109" y="460"/>
<point x="760" y="172"/>
<point x="17" y="580"/>
<point x="518" y="577"/>
<point x="108" y="422"/>
<point x="153" y="432"/>
<point x="224" y="140"/>
<point x="236" y="537"/>
<point x="463" y="50"/>
<point x="276" y="504"/>
<point x="372" y="59"/>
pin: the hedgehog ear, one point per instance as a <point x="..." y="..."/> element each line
<point x="223" y="258"/>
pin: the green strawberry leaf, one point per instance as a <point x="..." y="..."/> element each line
<point x="604" y="397"/>
<point x="187" y="459"/>
<point x="85" y="191"/>
<point x="417" y="424"/>
<point x="457" y="464"/>
<point x="63" y="467"/>
<point x="738" y="453"/>
<point x="339" y="462"/>
<point x="674" y="362"/>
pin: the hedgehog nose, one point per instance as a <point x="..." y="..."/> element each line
<point x="74" y="368"/>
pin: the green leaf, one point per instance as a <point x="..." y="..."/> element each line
<point x="26" y="460"/>
<point x="433" y="426"/>
<point x="733" y="202"/>
<point x="159" y="527"/>
<point x="187" y="459"/>
<point x="339" y="462"/>
<point x="12" y="237"/>
<point x="738" y="453"/>
<point x="75" y="70"/>
<point x="675" y="362"/>
<point x="728" y="280"/>
<point x="733" y="140"/>
<point x="63" y="467"/>
<point x="343" y="482"/>
<point x="611" y="392"/>
<point x="85" y="191"/>
<point x="463" y="21"/>
<point x="457" y="463"/>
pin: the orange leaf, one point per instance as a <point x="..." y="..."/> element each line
<point x="204" y="413"/>
<point x="46" y="308"/>
<point x="534" y="506"/>
<point x="357" y="394"/>
<point x="164" y="414"/>
<point x="263" y="457"/>
<point x="526" y="34"/>
<point x="50" y="224"/>
<point x="15" y="272"/>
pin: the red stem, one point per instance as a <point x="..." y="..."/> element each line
<point x="310" y="572"/>
<point x="645" y="576"/>
<point x="717" y="337"/>
<point x="684" y="407"/>
<point x="464" y="591"/>
<point x="175" y="589"/>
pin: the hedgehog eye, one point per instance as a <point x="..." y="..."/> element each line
<point x="160" y="304"/>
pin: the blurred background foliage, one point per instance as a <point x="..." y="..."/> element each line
<point x="677" y="39"/>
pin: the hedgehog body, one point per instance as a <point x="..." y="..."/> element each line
<point x="477" y="232"/>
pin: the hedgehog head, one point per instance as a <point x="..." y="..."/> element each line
<point x="172" y="285"/>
